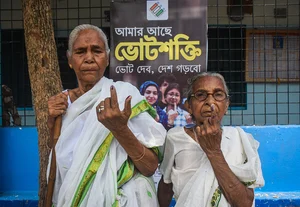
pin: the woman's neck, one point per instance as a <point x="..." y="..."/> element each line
<point x="83" y="88"/>
<point x="77" y="92"/>
<point x="74" y="94"/>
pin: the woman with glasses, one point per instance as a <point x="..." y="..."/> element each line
<point x="150" y="91"/>
<point x="209" y="164"/>
<point x="176" y="115"/>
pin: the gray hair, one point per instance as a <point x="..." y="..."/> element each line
<point x="75" y="33"/>
<point x="191" y="81"/>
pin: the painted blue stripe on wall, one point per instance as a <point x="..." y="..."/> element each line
<point x="279" y="153"/>
<point x="19" y="159"/>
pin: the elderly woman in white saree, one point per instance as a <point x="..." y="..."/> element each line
<point x="205" y="164"/>
<point x="108" y="147"/>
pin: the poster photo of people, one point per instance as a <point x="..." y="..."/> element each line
<point x="157" y="46"/>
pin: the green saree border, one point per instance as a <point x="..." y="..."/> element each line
<point x="215" y="200"/>
<point x="127" y="168"/>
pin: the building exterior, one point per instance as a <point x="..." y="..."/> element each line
<point x="255" y="46"/>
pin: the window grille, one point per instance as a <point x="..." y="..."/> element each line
<point x="232" y="51"/>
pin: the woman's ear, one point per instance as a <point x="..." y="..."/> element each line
<point x="69" y="60"/>
<point x="187" y="106"/>
<point x="227" y="105"/>
<point x="107" y="60"/>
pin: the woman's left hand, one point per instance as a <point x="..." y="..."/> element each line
<point x="110" y="115"/>
<point x="209" y="134"/>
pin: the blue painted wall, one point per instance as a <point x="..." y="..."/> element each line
<point x="280" y="156"/>
<point x="19" y="159"/>
<point x="279" y="151"/>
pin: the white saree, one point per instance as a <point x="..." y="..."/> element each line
<point x="188" y="168"/>
<point x="81" y="136"/>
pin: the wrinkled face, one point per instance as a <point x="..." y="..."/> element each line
<point x="163" y="87"/>
<point x="89" y="58"/>
<point x="201" y="110"/>
<point x="151" y="94"/>
<point x="173" y="96"/>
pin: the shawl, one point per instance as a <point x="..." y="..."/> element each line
<point x="203" y="189"/>
<point x="75" y="156"/>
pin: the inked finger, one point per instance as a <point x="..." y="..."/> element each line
<point x="213" y="114"/>
<point x="113" y="97"/>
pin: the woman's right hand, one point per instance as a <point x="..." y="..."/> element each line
<point x="209" y="134"/>
<point x="171" y="118"/>
<point x="58" y="104"/>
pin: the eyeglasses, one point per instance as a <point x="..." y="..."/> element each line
<point x="202" y="95"/>
<point x="173" y="94"/>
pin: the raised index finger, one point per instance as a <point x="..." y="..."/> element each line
<point x="211" y="120"/>
<point x="215" y="119"/>
<point x="113" y="97"/>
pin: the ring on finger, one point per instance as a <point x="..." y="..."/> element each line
<point x="101" y="108"/>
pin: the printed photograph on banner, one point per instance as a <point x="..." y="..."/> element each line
<point x="158" y="56"/>
<point x="157" y="10"/>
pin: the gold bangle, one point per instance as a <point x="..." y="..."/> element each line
<point x="141" y="156"/>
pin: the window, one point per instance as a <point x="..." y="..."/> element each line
<point x="14" y="66"/>
<point x="226" y="55"/>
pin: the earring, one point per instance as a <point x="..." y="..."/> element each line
<point x="70" y="66"/>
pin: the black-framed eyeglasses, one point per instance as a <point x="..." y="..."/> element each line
<point x="202" y="95"/>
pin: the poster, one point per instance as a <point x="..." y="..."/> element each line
<point x="153" y="39"/>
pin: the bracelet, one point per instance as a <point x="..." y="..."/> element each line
<point x="141" y="156"/>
